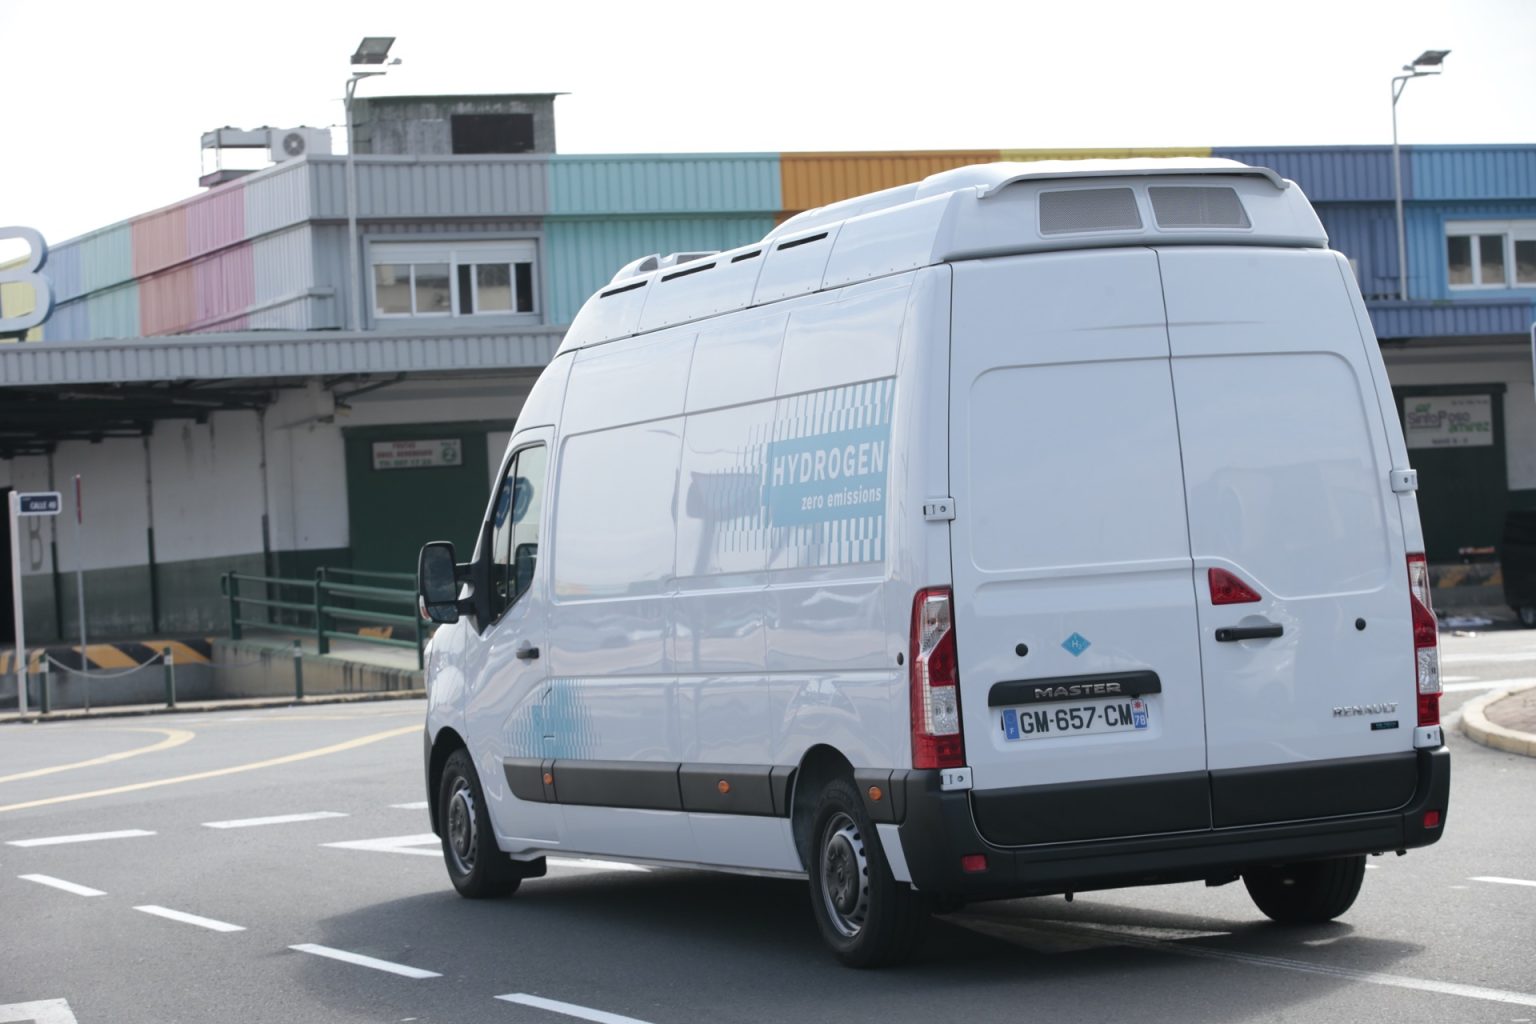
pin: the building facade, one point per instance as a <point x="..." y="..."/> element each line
<point x="197" y="376"/>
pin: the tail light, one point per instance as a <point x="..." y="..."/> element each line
<point x="935" y="681"/>
<point x="1426" y="641"/>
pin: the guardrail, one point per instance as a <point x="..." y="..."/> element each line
<point x="313" y="603"/>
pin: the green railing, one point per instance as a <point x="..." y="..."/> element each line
<point x="334" y="597"/>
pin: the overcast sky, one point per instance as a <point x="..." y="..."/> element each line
<point x="105" y="101"/>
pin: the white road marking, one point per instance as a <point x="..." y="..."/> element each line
<point x="1502" y="881"/>
<point x="1469" y="687"/>
<point x="201" y="922"/>
<point x="59" y="883"/>
<point x="365" y="961"/>
<point x="280" y="819"/>
<point x="395" y="844"/>
<point x="569" y="1009"/>
<point x="1449" y="658"/>
<point x="84" y="837"/>
<point x="426" y="844"/>
<point x="46" y="1011"/>
<point x="1372" y="867"/>
<point x="419" y="805"/>
<point x="1457" y="679"/>
<point x="1449" y="988"/>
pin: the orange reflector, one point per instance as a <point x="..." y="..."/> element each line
<point x="1431" y="819"/>
<point x="973" y="863"/>
<point x="549" y="779"/>
<point x="723" y="786"/>
<point x="875" y="794"/>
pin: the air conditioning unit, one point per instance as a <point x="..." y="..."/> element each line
<point x="292" y="143"/>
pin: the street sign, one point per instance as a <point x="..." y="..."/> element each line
<point x="39" y="503"/>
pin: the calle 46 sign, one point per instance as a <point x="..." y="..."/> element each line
<point x="38" y="503"/>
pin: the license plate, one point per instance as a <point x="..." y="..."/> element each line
<point x="1088" y="719"/>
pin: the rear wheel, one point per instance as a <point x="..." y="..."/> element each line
<point x="476" y="865"/>
<point x="866" y="916"/>
<point x="1310" y="892"/>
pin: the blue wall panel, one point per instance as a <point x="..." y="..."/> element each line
<point x="1471" y="318"/>
<point x="585" y="253"/>
<point x="63" y="271"/>
<point x="1334" y="174"/>
<point x="1367" y="234"/>
<point x="68" y="322"/>
<point x="739" y="183"/>
<point x="1473" y="172"/>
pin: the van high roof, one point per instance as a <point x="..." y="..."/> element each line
<point x="973" y="212"/>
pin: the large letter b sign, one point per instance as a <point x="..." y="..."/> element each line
<point x="26" y="274"/>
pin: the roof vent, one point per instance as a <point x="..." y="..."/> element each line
<point x="1089" y="209"/>
<point x="1197" y="206"/>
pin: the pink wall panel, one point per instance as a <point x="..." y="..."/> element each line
<point x="224" y="283"/>
<point x="159" y="240"/>
<point x="216" y="219"/>
<point x="167" y="302"/>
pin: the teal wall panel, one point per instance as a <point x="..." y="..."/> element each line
<point x="683" y="183"/>
<point x="114" y="313"/>
<point x="106" y="257"/>
<point x="584" y="254"/>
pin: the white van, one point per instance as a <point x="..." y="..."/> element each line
<point x="1036" y="528"/>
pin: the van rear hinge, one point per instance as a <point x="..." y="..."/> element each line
<point x="938" y="509"/>
<point x="1405" y="481"/>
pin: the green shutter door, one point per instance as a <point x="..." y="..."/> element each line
<point x="1463" y="487"/>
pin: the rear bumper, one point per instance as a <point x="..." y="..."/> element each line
<point x="938" y="829"/>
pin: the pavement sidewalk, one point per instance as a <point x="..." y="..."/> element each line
<point x="187" y="707"/>
<point x="1504" y="719"/>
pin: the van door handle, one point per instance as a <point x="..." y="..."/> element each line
<point x="1229" y="634"/>
<point x="527" y="652"/>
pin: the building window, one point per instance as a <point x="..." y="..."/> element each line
<point x="462" y="279"/>
<point x="491" y="133"/>
<point x="1491" y="254"/>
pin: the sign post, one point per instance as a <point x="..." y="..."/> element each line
<point x="85" y="663"/>
<point x="35" y="503"/>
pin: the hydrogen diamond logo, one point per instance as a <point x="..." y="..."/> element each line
<point x="1076" y="644"/>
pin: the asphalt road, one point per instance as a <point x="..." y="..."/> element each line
<point x="1429" y="939"/>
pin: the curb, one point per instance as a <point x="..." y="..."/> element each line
<point x="200" y="706"/>
<point x="1475" y="725"/>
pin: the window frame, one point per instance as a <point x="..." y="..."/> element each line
<point x="494" y="562"/>
<point x="457" y="251"/>
<point x="1509" y="232"/>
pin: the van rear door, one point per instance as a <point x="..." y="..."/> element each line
<point x="1287" y="472"/>
<point x="1075" y="620"/>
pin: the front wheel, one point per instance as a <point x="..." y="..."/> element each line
<point x="476" y="865"/>
<point x="1310" y="892"/>
<point x="866" y="916"/>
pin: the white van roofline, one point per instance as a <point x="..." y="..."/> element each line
<point x="974" y="212"/>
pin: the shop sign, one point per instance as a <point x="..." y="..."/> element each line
<point x="1448" y="421"/>
<point x="418" y="454"/>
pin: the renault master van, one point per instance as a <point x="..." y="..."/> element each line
<point x="1032" y="529"/>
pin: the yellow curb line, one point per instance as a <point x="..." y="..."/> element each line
<point x="173" y="738"/>
<point x="1477" y="727"/>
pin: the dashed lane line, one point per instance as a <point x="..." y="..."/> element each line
<point x="172" y="738"/>
<point x="278" y="819"/>
<point x="569" y="1009"/>
<point x="43" y="1011"/>
<point x="365" y="961"/>
<point x="427" y="844"/>
<point x="1502" y="881"/>
<point x="419" y="805"/>
<point x="193" y="919"/>
<point x="83" y="837"/>
<point x="1188" y="949"/>
<point x="303" y="755"/>
<point x="59" y="883"/>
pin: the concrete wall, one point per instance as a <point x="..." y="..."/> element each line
<point x="420" y="126"/>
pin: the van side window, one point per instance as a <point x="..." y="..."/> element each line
<point x="515" y="528"/>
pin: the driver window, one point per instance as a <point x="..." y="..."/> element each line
<point x="515" y="528"/>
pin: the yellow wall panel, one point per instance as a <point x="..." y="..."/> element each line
<point x="1102" y="154"/>
<point x="815" y="179"/>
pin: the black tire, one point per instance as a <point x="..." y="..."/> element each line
<point x="1527" y="614"/>
<point x="476" y="865"/>
<point x="866" y="916"/>
<point x="1310" y="892"/>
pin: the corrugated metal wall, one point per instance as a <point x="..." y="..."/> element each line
<point x="816" y="179"/>
<point x="498" y="186"/>
<point x="167" y="301"/>
<point x="1103" y="154"/>
<point x="159" y="240"/>
<point x="1366" y="233"/>
<point x="584" y="254"/>
<point x="224" y="289"/>
<point x="1474" y="317"/>
<point x="106" y="257"/>
<point x="1337" y="174"/>
<point x="277" y="198"/>
<point x="1425" y="228"/>
<point x="114" y="313"/>
<point x="739" y="183"/>
<point x="1472" y="172"/>
<point x="69" y="321"/>
<point x="216" y="219"/>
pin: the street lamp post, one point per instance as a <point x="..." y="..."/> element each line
<point x="373" y="50"/>
<point x="1431" y="59"/>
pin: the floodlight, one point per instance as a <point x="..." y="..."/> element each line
<point x="1430" y="58"/>
<point x="373" y="50"/>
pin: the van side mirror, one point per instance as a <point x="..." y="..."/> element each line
<point x="437" y="582"/>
